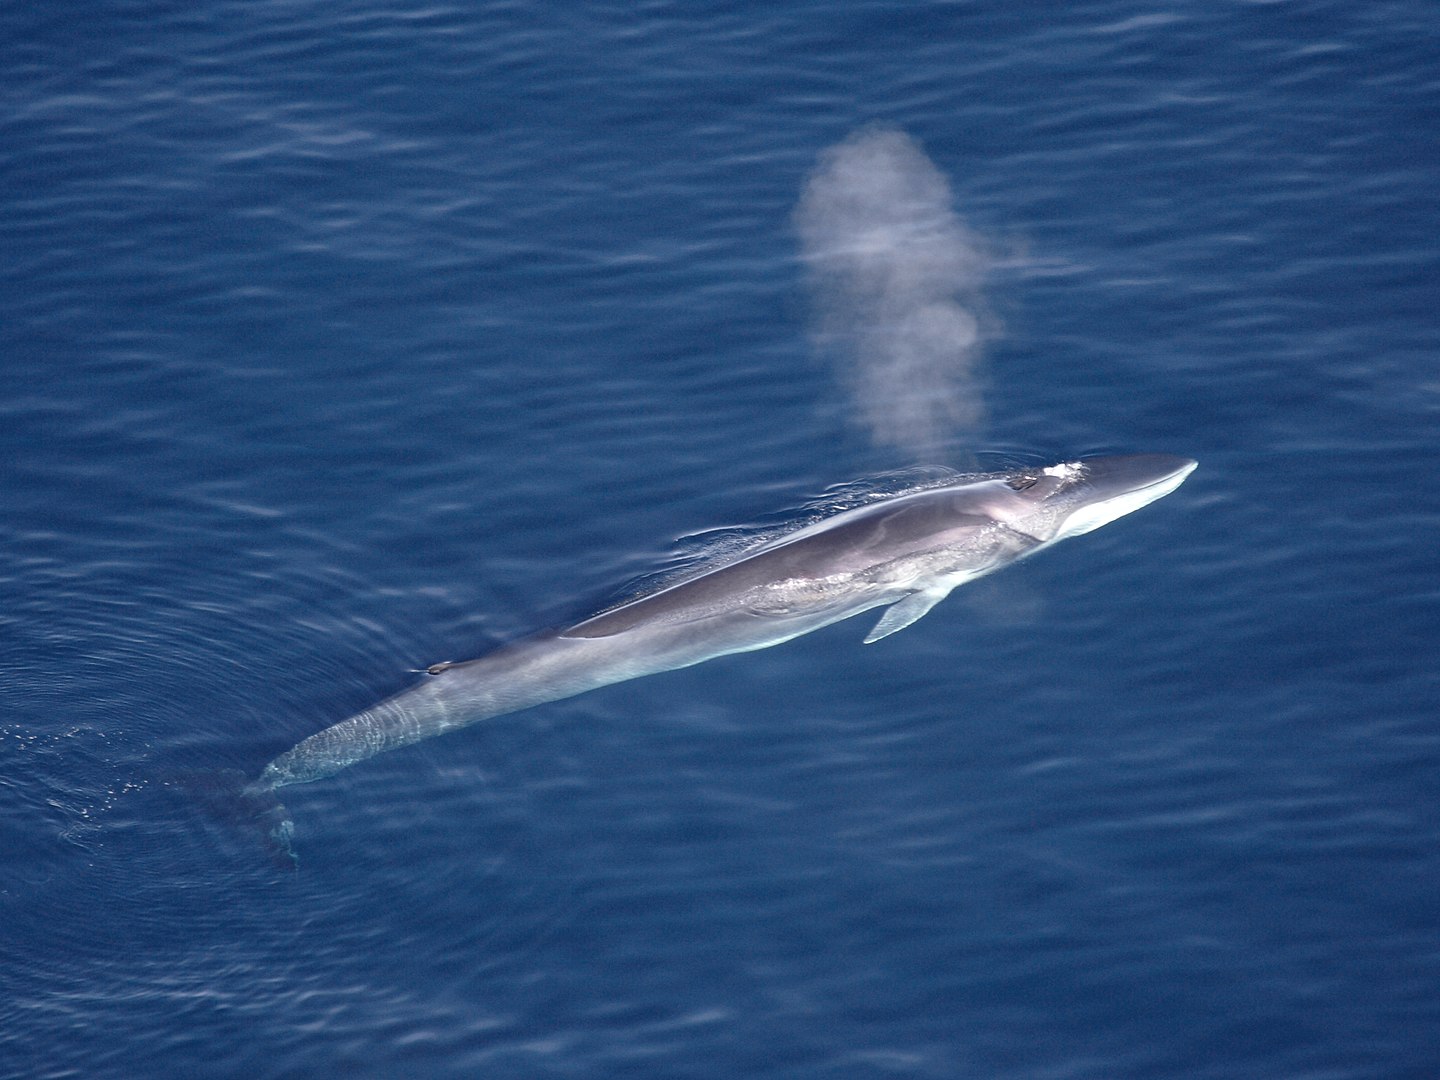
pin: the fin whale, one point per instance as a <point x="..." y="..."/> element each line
<point x="904" y="553"/>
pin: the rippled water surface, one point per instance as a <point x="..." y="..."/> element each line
<point x="342" y="338"/>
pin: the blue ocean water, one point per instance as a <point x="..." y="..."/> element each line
<point x="343" y="338"/>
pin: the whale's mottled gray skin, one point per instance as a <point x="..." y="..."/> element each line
<point x="903" y="553"/>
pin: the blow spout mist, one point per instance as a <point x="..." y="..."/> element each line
<point x="895" y="277"/>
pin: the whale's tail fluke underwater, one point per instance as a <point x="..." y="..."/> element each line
<point x="250" y="810"/>
<point x="904" y="553"/>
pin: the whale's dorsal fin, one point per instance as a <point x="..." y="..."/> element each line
<point x="904" y="612"/>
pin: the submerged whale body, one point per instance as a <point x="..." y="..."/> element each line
<point x="903" y="553"/>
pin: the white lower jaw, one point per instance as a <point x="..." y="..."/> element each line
<point x="1091" y="517"/>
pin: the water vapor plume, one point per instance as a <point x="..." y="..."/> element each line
<point x="895" y="277"/>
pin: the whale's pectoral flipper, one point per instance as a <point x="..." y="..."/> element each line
<point x="904" y="612"/>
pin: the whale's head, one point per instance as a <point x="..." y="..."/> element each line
<point x="1076" y="497"/>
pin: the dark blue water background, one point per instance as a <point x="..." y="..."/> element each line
<point x="340" y="338"/>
